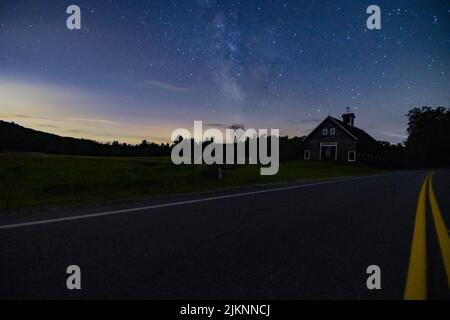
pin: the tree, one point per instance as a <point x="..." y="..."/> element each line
<point x="238" y="131"/>
<point x="179" y="139"/>
<point x="394" y="154"/>
<point x="428" y="143"/>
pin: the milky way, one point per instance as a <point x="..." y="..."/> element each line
<point x="272" y="64"/>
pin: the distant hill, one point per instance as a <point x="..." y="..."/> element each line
<point x="14" y="137"/>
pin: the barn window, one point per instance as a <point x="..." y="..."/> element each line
<point x="307" y="154"/>
<point x="332" y="131"/>
<point x="351" y="156"/>
<point x="324" y="132"/>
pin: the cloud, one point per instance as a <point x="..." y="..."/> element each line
<point x="214" y="125"/>
<point x="10" y="116"/>
<point x="41" y="100"/>
<point x="394" y="135"/>
<point x="89" y="120"/>
<point x="77" y="111"/>
<point x="51" y="126"/>
<point x="73" y="131"/>
<point x="305" y="121"/>
<point x="166" y="86"/>
<point x="93" y="120"/>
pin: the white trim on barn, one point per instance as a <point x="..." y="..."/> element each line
<point x="306" y="138"/>
<point x="307" y="151"/>
<point x="334" y="120"/>
<point x="354" y="156"/>
<point x="328" y="144"/>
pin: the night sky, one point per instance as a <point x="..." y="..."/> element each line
<point x="139" y="69"/>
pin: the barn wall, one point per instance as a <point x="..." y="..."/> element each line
<point x="344" y="142"/>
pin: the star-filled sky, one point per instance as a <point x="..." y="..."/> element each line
<point x="140" y="69"/>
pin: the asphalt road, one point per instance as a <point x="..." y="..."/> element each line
<point x="311" y="241"/>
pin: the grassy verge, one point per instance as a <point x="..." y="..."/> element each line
<point x="31" y="180"/>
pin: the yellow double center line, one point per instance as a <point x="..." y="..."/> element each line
<point x="441" y="230"/>
<point x="416" y="282"/>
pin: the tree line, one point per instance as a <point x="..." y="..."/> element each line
<point x="428" y="141"/>
<point x="427" y="144"/>
<point x="14" y="137"/>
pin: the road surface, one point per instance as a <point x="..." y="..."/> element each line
<point x="297" y="241"/>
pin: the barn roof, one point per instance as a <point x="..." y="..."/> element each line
<point x="356" y="133"/>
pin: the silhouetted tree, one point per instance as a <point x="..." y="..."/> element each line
<point x="238" y="131"/>
<point x="394" y="155"/>
<point x="17" y="138"/>
<point x="428" y="143"/>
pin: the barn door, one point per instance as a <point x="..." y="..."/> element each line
<point x="328" y="152"/>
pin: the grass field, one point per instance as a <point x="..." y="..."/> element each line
<point x="35" y="180"/>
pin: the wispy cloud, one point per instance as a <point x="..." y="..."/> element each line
<point x="50" y="126"/>
<point x="214" y="125"/>
<point x="73" y="131"/>
<point x="305" y="121"/>
<point x="89" y="120"/>
<point x="78" y="112"/>
<point x="13" y="116"/>
<point x="93" y="120"/>
<point x="166" y="86"/>
<point x="394" y="135"/>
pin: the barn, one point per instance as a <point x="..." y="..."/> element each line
<point x="341" y="140"/>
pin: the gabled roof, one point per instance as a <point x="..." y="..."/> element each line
<point x="343" y="126"/>
<point x="354" y="132"/>
<point x="357" y="133"/>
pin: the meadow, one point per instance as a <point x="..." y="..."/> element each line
<point x="29" y="180"/>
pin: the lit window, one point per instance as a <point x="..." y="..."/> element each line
<point x="324" y="132"/>
<point x="351" y="156"/>
<point x="307" y="154"/>
<point x="332" y="131"/>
